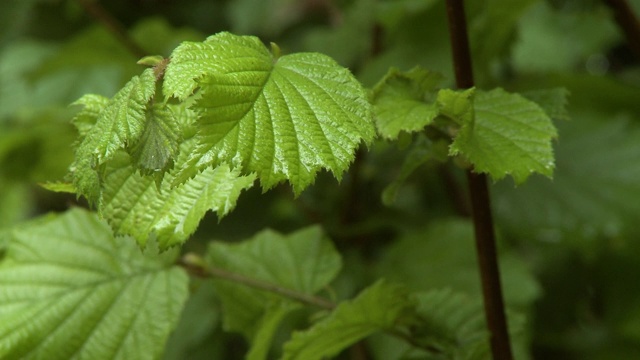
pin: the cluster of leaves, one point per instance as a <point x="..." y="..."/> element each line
<point x="191" y="134"/>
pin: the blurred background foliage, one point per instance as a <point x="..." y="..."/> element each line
<point x="570" y="247"/>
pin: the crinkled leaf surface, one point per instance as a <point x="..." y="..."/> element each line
<point x="304" y="261"/>
<point x="117" y="124"/>
<point x="70" y="290"/>
<point x="159" y="143"/>
<point x="510" y="135"/>
<point x="92" y="106"/>
<point x="405" y="101"/>
<point x="122" y="121"/>
<point x="376" y="308"/>
<point x="134" y="205"/>
<point x="284" y="118"/>
<point x="457" y="105"/>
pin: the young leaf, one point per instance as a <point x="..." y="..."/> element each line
<point x="376" y="308"/>
<point x="122" y="122"/>
<point x="510" y="135"/>
<point x="134" y="205"/>
<point x="107" y="128"/>
<point x="158" y="145"/>
<point x="87" y="117"/>
<point x="72" y="290"/>
<point x="304" y="261"/>
<point x="405" y="101"/>
<point x="283" y="118"/>
<point x="457" y="105"/>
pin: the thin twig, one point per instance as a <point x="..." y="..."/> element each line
<point x="193" y="264"/>
<point x="480" y="202"/>
<point x="628" y="22"/>
<point x="96" y="10"/>
<point x="196" y="266"/>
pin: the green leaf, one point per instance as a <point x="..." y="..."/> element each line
<point x="72" y="290"/>
<point x="509" y="136"/>
<point x="304" y="261"/>
<point x="92" y="106"/>
<point x="404" y="101"/>
<point x="122" y="122"/>
<point x="457" y="105"/>
<point x="453" y="323"/>
<point x="134" y="205"/>
<point x="159" y="143"/>
<point x="552" y="101"/>
<point x="378" y="307"/>
<point x="283" y="118"/>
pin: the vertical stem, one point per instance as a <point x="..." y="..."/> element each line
<point x="628" y="22"/>
<point x="480" y="203"/>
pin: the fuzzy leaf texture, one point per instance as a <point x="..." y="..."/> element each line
<point x="304" y="261"/>
<point x="377" y="308"/>
<point x="122" y="121"/>
<point x="284" y="118"/>
<point x="135" y="205"/>
<point x="405" y="101"/>
<point x="70" y="290"/>
<point x="106" y="127"/>
<point x="509" y="135"/>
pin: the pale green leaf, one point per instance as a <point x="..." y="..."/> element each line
<point x="405" y="101"/>
<point x="92" y="106"/>
<point x="70" y="290"/>
<point x="510" y="135"/>
<point x="134" y="205"/>
<point x="59" y="186"/>
<point x="377" y="308"/>
<point x="122" y="122"/>
<point x="283" y="118"/>
<point x="304" y="261"/>
<point x="159" y="142"/>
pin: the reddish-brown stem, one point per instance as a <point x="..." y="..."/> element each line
<point x="93" y="8"/>
<point x="628" y="22"/>
<point x="480" y="203"/>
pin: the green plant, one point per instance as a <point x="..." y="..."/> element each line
<point x="196" y="130"/>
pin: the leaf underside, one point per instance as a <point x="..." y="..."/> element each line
<point x="72" y="290"/>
